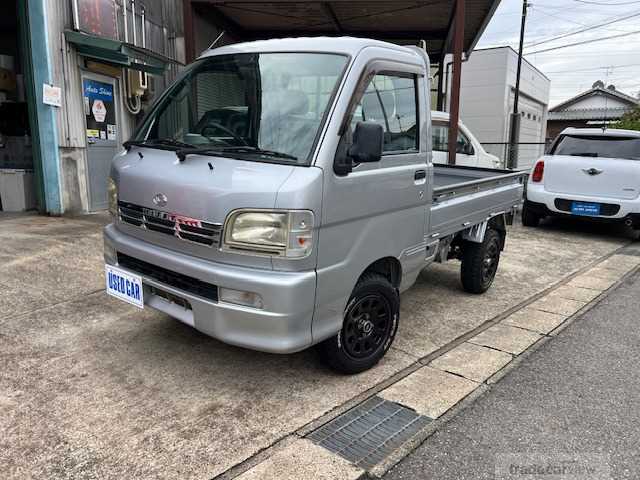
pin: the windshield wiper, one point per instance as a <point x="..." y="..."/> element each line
<point x="167" y="143"/>
<point x="259" y="151"/>
<point x="584" y="154"/>
<point x="182" y="154"/>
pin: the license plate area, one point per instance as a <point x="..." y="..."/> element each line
<point x="170" y="297"/>
<point x="585" y="208"/>
<point x="124" y="285"/>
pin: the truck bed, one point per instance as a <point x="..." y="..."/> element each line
<point x="445" y="175"/>
<point x="466" y="196"/>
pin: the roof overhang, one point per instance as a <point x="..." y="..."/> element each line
<point x="401" y="21"/>
<point x="589" y="114"/>
<point x="632" y="102"/>
<point x="118" y="53"/>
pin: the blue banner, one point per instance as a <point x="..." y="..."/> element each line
<point x="98" y="90"/>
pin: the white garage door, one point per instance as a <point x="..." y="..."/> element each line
<point x="532" y="130"/>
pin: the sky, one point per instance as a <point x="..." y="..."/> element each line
<point x="573" y="69"/>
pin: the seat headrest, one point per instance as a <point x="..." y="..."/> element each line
<point x="285" y="102"/>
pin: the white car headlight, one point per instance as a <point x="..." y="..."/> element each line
<point x="112" y="193"/>
<point x="286" y="233"/>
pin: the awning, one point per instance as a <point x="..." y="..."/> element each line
<point x="118" y="53"/>
<point x="401" y="21"/>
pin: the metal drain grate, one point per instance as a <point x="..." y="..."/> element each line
<point x="366" y="434"/>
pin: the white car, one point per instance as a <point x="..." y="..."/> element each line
<point x="469" y="152"/>
<point x="589" y="172"/>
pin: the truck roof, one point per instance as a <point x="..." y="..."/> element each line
<point x="342" y="45"/>
<point x="595" y="132"/>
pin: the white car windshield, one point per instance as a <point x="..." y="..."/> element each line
<point x="248" y="105"/>
<point x="598" y="146"/>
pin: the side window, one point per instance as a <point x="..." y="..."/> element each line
<point x="391" y="101"/>
<point x="440" y="137"/>
<point x="464" y="145"/>
<point x="440" y="140"/>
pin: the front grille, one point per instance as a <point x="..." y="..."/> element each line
<point x="185" y="228"/>
<point x="168" y="277"/>
<point x="606" y="209"/>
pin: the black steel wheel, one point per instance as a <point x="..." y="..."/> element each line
<point x="480" y="262"/>
<point x="490" y="262"/>
<point x="366" y="325"/>
<point x="369" y="326"/>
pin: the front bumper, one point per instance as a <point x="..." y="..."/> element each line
<point x="283" y="325"/>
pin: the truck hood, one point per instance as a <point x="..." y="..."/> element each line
<point x="201" y="189"/>
<point x="615" y="178"/>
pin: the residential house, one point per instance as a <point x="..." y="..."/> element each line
<point x="597" y="107"/>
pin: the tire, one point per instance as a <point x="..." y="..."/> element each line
<point x="480" y="262"/>
<point x="529" y="218"/>
<point x="361" y="343"/>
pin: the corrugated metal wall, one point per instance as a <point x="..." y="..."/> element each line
<point x="164" y="34"/>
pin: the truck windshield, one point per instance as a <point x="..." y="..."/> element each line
<point x="247" y="104"/>
<point x="598" y="146"/>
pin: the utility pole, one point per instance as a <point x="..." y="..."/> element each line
<point x="514" y="133"/>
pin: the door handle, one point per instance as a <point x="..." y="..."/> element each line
<point x="420" y="175"/>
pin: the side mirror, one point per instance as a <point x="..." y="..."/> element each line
<point x="368" y="138"/>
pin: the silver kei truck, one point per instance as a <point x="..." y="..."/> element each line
<point x="281" y="194"/>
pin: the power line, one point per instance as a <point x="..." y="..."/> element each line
<point x="600" y="54"/>
<point x="564" y="19"/>
<point x="608" y="4"/>
<point x="621" y="84"/>
<point x="586" y="29"/>
<point x="584" y="42"/>
<point x="560" y="18"/>
<point x="594" y="68"/>
<point x="538" y="8"/>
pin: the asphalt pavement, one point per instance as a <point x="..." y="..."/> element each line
<point x="92" y="387"/>
<point x="569" y="410"/>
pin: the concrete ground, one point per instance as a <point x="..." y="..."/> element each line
<point x="94" y="388"/>
<point x="572" y="404"/>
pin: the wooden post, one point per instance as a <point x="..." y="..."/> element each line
<point x="454" y="113"/>
<point x="189" y="36"/>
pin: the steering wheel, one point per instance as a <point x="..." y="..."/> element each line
<point x="213" y="125"/>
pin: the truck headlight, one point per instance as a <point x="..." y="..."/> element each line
<point x="286" y="233"/>
<point x="112" y="193"/>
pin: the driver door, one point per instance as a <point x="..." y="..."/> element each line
<point x="379" y="209"/>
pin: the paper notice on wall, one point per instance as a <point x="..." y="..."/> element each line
<point x="111" y="132"/>
<point x="51" y="95"/>
<point x="99" y="111"/>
